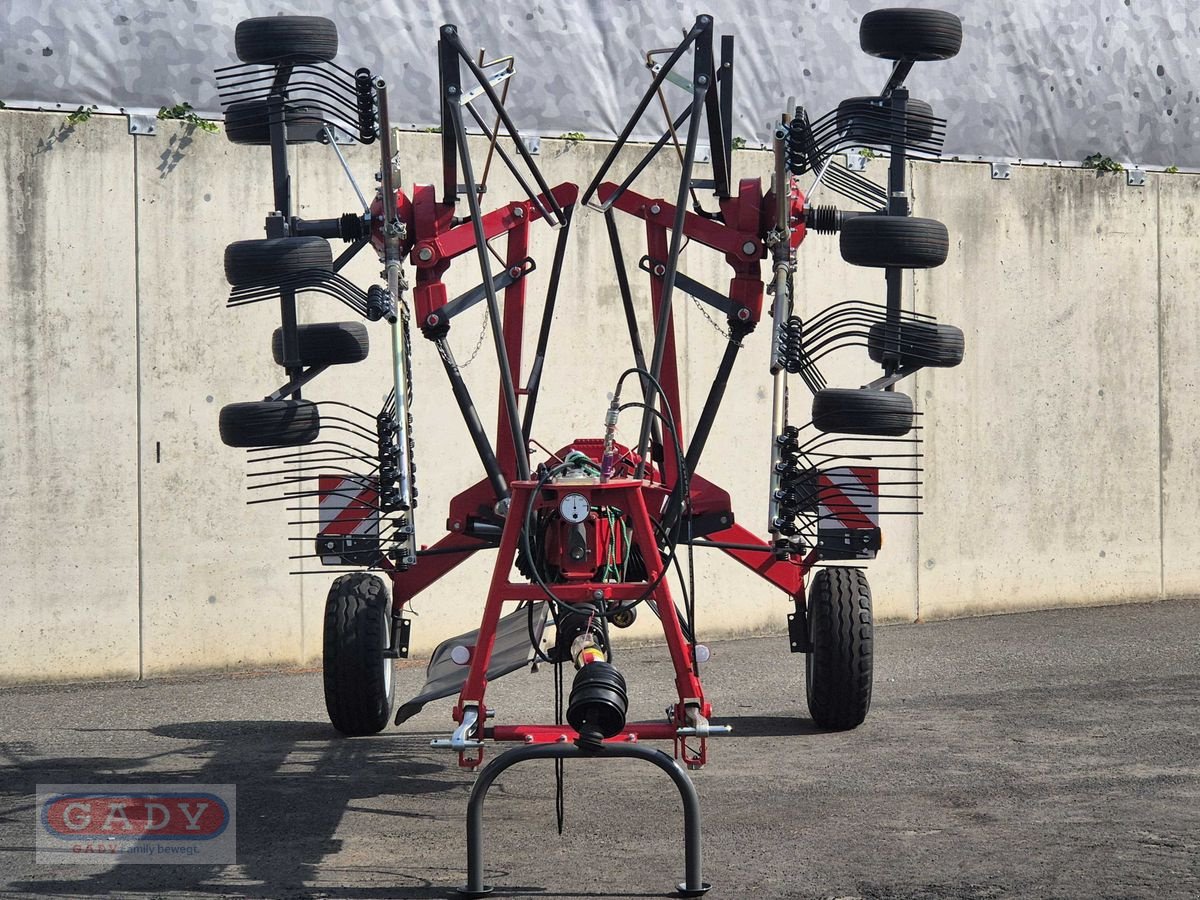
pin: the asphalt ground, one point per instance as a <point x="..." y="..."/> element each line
<point x="1051" y="754"/>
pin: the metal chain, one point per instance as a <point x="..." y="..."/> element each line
<point x="479" y="343"/>
<point x="484" y="330"/>
<point x="714" y="323"/>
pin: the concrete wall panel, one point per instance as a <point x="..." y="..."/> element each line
<point x="1179" y="337"/>
<point x="68" y="358"/>
<point x="1042" y="447"/>
<point x="216" y="592"/>
<point x="1045" y="449"/>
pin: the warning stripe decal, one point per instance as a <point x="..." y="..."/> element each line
<point x="347" y="506"/>
<point x="849" y="498"/>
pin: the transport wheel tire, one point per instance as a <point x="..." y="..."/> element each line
<point x="270" y="260"/>
<point x="270" y="423"/>
<point x="879" y="241"/>
<point x="359" y="680"/>
<point x="249" y="123"/>
<point x="916" y="34"/>
<point x="326" y="343"/>
<point x="286" y="39"/>
<point x="861" y="119"/>
<point x="861" y="411"/>
<point x="837" y="670"/>
<point x="921" y="343"/>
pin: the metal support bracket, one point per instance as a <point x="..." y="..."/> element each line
<point x="692" y="886"/>
<point x="690" y="286"/>
<point x="1001" y="171"/>
<point x="855" y="161"/>
<point x="401" y="630"/>
<point x="142" y="124"/>
<point x="1135" y="177"/>
<point x="798" y="630"/>
<point x="464" y="302"/>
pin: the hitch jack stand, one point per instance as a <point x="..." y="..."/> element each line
<point x="692" y="886"/>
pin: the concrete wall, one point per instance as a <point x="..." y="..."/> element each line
<point x="1058" y="472"/>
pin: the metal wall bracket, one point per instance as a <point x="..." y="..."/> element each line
<point x="142" y="124"/>
<point x="1001" y="171"/>
<point x="533" y="143"/>
<point x="855" y="161"/>
<point x="1135" y="177"/>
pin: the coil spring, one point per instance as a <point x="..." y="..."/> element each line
<point x="800" y="147"/>
<point x="792" y="349"/>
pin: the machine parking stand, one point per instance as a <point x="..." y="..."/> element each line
<point x="591" y="533"/>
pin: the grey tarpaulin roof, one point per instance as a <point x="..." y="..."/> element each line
<point x="1037" y="79"/>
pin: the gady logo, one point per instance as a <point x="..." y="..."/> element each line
<point x="160" y="816"/>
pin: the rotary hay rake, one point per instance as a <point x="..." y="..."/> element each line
<point x="586" y="539"/>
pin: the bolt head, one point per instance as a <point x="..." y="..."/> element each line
<point x="515" y="271"/>
<point x="743" y="315"/>
<point x="660" y="270"/>
<point x="749" y="247"/>
<point x="597" y="594"/>
<point x="425" y="254"/>
<point x="655" y="209"/>
<point x="519" y="212"/>
<point x="431" y="319"/>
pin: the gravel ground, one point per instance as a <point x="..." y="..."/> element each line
<point x="1050" y="754"/>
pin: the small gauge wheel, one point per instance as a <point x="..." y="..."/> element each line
<point x="574" y="507"/>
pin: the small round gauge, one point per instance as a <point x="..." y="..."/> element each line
<point x="574" y="507"/>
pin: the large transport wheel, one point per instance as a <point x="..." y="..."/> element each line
<point x="837" y="670"/>
<point x="359" y="682"/>
<point x="326" y="343"/>
<point x="929" y="344"/>
<point x="267" y="261"/>
<point x="270" y="423"/>
<point x="865" y="119"/>
<point x="879" y="241"/>
<point x="286" y="39"/>
<point x="249" y="123"/>
<point x="862" y="411"/>
<point x="915" y="34"/>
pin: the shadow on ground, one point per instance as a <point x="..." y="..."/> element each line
<point x="284" y="833"/>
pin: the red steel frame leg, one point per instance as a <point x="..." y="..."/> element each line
<point x="625" y="494"/>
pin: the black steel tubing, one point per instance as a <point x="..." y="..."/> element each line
<point x="692" y="886"/>
<point x="539" y="358"/>
<point x="700" y="88"/>
<point x="451" y="33"/>
<point x="470" y="415"/>
<point x="897" y="206"/>
<point x="702" y="22"/>
<point x="493" y="303"/>
<point x="635" y="336"/>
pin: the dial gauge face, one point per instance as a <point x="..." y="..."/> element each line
<point x="574" y="507"/>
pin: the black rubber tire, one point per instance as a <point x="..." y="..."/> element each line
<point x="326" y="343"/>
<point x="286" y="39"/>
<point x="862" y="411"/>
<point x="838" y="667"/>
<point x="919" y="115"/>
<point x="880" y="241"/>
<point x="249" y="123"/>
<point x="360" y="686"/>
<point x="916" y="34"/>
<point x="270" y="423"/>
<point x="268" y="261"/>
<point x="930" y="344"/>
